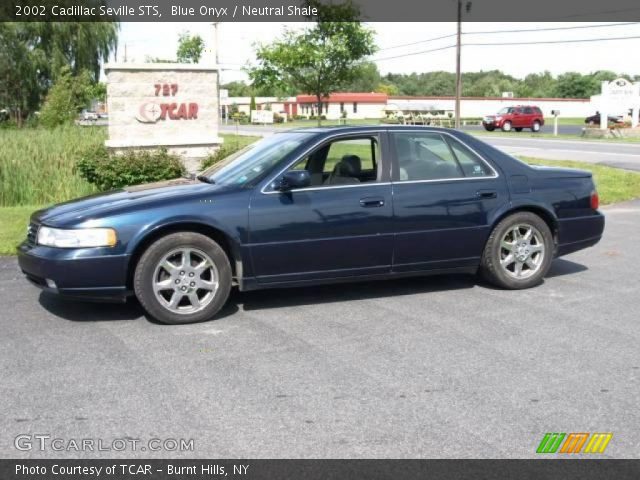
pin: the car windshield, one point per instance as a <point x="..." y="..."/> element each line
<point x="505" y="110"/>
<point x="251" y="162"/>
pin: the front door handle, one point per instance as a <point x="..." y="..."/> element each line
<point x="369" y="202"/>
<point x="487" y="194"/>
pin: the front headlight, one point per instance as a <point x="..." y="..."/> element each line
<point x="78" y="238"/>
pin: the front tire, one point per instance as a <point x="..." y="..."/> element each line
<point x="184" y="277"/>
<point x="519" y="252"/>
<point x="489" y="128"/>
<point x="506" y="127"/>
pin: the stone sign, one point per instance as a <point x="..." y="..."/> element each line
<point x="168" y="105"/>
<point x="618" y="96"/>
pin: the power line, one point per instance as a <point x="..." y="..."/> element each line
<point x="488" y="32"/>
<point x="413" y="53"/>
<point x="549" y="29"/>
<point x="417" y="42"/>
<point x="549" y="42"/>
<point x="501" y="44"/>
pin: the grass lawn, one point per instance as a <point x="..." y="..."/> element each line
<point x="13" y="227"/>
<point x="239" y="141"/>
<point x="613" y="185"/>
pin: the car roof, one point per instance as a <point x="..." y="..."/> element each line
<point x="368" y="128"/>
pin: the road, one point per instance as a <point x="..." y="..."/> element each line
<point x="614" y="154"/>
<point x="432" y="367"/>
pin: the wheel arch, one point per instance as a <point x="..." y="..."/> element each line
<point x="547" y="216"/>
<point x="226" y="242"/>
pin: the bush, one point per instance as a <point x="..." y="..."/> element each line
<point x="110" y="171"/>
<point x="223" y="152"/>
<point x="65" y="99"/>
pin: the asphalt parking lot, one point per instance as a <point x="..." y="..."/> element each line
<point x="427" y="367"/>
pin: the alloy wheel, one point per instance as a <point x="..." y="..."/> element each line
<point x="185" y="280"/>
<point x="522" y="251"/>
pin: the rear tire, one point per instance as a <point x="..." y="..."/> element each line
<point x="184" y="277"/>
<point x="536" y="126"/>
<point x="518" y="253"/>
<point x="506" y="126"/>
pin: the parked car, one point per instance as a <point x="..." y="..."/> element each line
<point x="515" y="118"/>
<point x="312" y="206"/>
<point x="89" y="116"/>
<point x="595" y="119"/>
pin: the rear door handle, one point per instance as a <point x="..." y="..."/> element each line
<point x="487" y="194"/>
<point x="369" y="202"/>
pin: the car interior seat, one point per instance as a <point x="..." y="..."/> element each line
<point x="346" y="171"/>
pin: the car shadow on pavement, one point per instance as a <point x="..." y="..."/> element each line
<point x="83" y="311"/>
<point x="342" y="292"/>
<point x="562" y="266"/>
<point x="78" y="311"/>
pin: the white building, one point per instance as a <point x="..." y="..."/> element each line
<point x="378" y="105"/>
<point x="475" y="107"/>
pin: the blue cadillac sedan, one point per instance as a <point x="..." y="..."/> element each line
<point x="315" y="206"/>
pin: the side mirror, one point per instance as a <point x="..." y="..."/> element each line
<point x="293" y="179"/>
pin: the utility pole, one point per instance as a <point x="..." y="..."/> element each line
<point x="216" y="46"/>
<point x="458" y="73"/>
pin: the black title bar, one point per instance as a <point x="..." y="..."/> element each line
<point x="296" y="10"/>
<point x="584" y="469"/>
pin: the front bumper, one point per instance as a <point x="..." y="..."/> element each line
<point x="87" y="273"/>
<point x="492" y="123"/>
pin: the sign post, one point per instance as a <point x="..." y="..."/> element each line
<point x="555" y="114"/>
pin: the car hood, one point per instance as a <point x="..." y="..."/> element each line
<point x="94" y="206"/>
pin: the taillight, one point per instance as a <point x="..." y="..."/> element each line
<point x="595" y="200"/>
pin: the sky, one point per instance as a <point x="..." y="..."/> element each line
<point x="237" y="41"/>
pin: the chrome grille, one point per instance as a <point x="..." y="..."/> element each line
<point x="32" y="233"/>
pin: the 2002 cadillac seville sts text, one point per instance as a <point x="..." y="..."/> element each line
<point x="312" y="206"/>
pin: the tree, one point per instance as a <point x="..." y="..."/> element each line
<point x="365" y="78"/>
<point x="33" y="55"/>
<point x="19" y="88"/>
<point x="68" y="95"/>
<point x="252" y="104"/>
<point x="320" y="59"/>
<point x="189" y="48"/>
<point x="576" y="85"/>
<point x="238" y="89"/>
